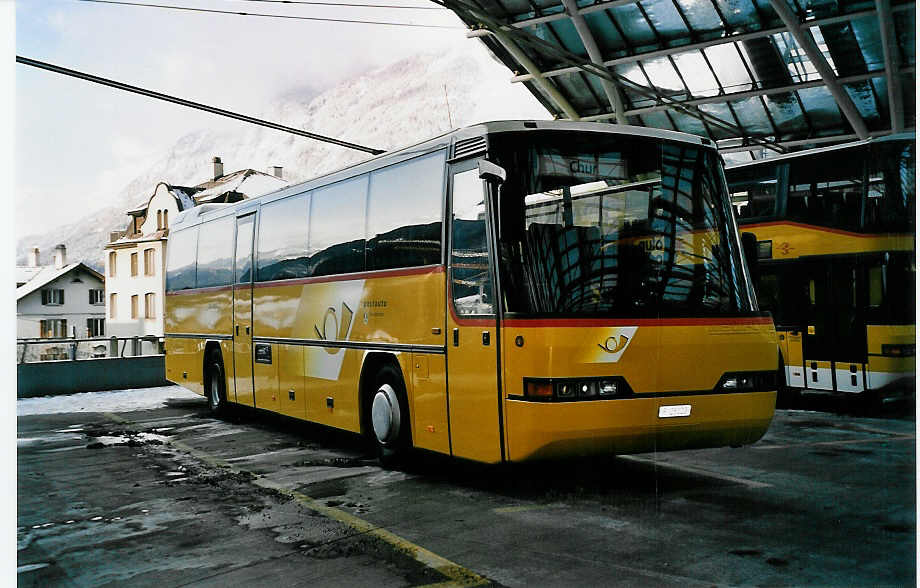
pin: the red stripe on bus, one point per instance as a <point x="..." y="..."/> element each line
<point x="199" y="290"/>
<point x="393" y="273"/>
<point x="823" y="229"/>
<point x="646" y="322"/>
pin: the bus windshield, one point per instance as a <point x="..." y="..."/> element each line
<point x="616" y="225"/>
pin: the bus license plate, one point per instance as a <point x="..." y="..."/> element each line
<point x="674" y="410"/>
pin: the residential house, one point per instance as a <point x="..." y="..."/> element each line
<point x="136" y="257"/>
<point x="59" y="300"/>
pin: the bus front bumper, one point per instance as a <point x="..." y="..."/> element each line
<point x="541" y="430"/>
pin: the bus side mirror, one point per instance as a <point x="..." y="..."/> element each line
<point x="490" y="171"/>
<point x="494" y="173"/>
<point x="749" y="246"/>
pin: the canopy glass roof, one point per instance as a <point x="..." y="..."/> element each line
<point x="748" y="73"/>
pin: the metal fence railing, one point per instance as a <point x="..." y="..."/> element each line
<point x="37" y="350"/>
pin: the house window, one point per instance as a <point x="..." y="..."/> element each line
<point x="149" y="261"/>
<point x="113" y="301"/>
<point x="165" y="219"/>
<point x="134" y="306"/>
<point x="112" y="258"/>
<point x="150" y="310"/>
<point x="52" y="297"/>
<point x="95" y="327"/>
<point x="134" y="264"/>
<point x="159" y="219"/>
<point x="53" y="328"/>
<point x="96" y="296"/>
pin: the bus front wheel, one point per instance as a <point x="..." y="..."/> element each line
<point x="217" y="399"/>
<point x="389" y="416"/>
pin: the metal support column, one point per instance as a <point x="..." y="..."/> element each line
<point x="892" y="64"/>
<point x="613" y="91"/>
<point x="545" y="85"/>
<point x="805" y="40"/>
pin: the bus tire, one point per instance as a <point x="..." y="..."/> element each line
<point x="389" y="417"/>
<point x="216" y="392"/>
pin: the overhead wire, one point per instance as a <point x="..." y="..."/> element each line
<point x="284" y="16"/>
<point x="190" y="104"/>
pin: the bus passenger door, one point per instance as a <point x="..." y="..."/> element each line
<point x="472" y="345"/>
<point x="242" y="311"/>
<point x="819" y="336"/>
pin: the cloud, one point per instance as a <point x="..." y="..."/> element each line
<point x="76" y="140"/>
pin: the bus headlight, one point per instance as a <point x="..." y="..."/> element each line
<point x="747" y="382"/>
<point x="607" y="388"/>
<point x="587" y="389"/>
<point x="565" y="390"/>
<point x="572" y="389"/>
<point x="538" y="390"/>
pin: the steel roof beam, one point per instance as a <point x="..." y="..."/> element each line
<point x="545" y="85"/>
<point x="728" y="97"/>
<point x="562" y="15"/>
<point x="705" y="44"/>
<point x="892" y="58"/>
<point x="806" y="41"/>
<point x="611" y="89"/>
<point x="799" y="142"/>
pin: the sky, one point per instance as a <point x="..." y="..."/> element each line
<point x="77" y="144"/>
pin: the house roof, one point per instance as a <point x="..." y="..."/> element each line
<point x="245" y="183"/>
<point x="47" y="274"/>
<point x="248" y="182"/>
<point x="24" y="273"/>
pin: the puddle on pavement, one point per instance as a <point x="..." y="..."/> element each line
<point x="337" y="462"/>
<point x="128" y="438"/>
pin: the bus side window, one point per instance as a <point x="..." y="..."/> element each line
<point x="826" y="190"/>
<point x="892" y="186"/>
<point x="215" y="253"/>
<point x="471" y="281"/>
<point x="754" y="192"/>
<point x="181" y="260"/>
<point x="404" y="213"/>
<point x="282" y="250"/>
<point x="337" y="227"/>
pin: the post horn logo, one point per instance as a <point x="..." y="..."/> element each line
<point x="333" y="329"/>
<point x="615" y="344"/>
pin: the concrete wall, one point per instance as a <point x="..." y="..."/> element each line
<point x="53" y="378"/>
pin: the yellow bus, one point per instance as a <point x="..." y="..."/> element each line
<point x="835" y="234"/>
<point x="508" y="291"/>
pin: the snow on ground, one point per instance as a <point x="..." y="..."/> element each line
<point x="112" y="401"/>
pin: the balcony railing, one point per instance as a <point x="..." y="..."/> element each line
<point x="58" y="349"/>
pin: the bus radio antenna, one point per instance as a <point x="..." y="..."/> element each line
<point x="197" y="105"/>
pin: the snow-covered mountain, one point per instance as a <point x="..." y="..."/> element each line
<point x="387" y="108"/>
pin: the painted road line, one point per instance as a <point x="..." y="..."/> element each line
<point x="697" y="471"/>
<point x="456" y="574"/>
<point x="842" y="442"/>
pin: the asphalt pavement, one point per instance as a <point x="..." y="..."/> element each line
<point x="171" y="496"/>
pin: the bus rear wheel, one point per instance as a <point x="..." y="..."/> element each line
<point x="389" y="417"/>
<point x="217" y="397"/>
